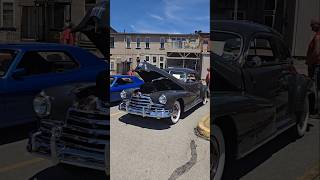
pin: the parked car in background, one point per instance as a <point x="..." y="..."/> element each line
<point x="165" y="94"/>
<point x="26" y="69"/>
<point x="257" y="93"/>
<point x="118" y="83"/>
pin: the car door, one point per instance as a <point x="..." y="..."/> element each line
<point x="41" y="69"/>
<point x="193" y="92"/>
<point x="263" y="73"/>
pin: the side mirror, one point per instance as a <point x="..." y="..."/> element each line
<point x="19" y="73"/>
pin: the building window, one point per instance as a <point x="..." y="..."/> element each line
<point x="112" y="66"/>
<point x="138" y="43"/>
<point x="162" y="43"/>
<point x="111" y="42"/>
<point x="7" y="14"/>
<point x="161" y="59"/>
<point x="240" y="15"/>
<point x="147" y="43"/>
<point x="161" y="66"/>
<point x="154" y="59"/>
<point x="269" y="20"/>
<point x="89" y="4"/>
<point x="128" y="42"/>
<point x="270" y="5"/>
<point x="147" y="59"/>
<point x="177" y="43"/>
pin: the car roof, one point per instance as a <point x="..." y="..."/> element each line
<point x="35" y="46"/>
<point x="187" y="70"/>
<point x="244" y="28"/>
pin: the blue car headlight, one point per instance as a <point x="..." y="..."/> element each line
<point x="123" y="94"/>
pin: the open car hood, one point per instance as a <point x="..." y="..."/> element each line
<point x="149" y="72"/>
<point x="95" y="26"/>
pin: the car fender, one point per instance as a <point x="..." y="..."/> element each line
<point x="300" y="86"/>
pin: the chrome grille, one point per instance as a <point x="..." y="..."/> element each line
<point x="83" y="137"/>
<point x="86" y="129"/>
<point x="143" y="102"/>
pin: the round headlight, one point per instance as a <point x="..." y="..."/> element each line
<point x="123" y="94"/>
<point x="163" y="99"/>
<point x="42" y="105"/>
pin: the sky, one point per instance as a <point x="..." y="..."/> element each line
<point x="160" y="16"/>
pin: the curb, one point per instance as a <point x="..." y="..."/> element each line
<point x="203" y="128"/>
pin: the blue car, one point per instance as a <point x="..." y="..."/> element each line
<point x="26" y="69"/>
<point x="119" y="83"/>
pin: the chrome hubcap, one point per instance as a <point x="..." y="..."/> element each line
<point x="175" y="111"/>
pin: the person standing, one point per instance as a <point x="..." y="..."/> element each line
<point x="208" y="78"/>
<point x="67" y="36"/>
<point x="313" y="54"/>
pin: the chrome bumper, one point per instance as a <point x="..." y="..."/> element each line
<point x="50" y="146"/>
<point x="145" y="111"/>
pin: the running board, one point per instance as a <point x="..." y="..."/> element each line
<point x="265" y="141"/>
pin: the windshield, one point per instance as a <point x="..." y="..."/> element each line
<point x="179" y="75"/>
<point x="111" y="80"/>
<point x="226" y="45"/>
<point x="6" y="59"/>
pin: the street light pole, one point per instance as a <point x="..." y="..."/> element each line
<point x="235" y="15"/>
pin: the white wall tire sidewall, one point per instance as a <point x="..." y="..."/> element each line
<point x="301" y="130"/>
<point x="218" y="135"/>
<point x="175" y="120"/>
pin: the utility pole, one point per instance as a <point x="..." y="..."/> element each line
<point x="235" y="15"/>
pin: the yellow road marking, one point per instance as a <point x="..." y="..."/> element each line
<point x="20" y="165"/>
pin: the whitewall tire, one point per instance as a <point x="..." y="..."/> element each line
<point x="217" y="153"/>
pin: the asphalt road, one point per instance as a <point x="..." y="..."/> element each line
<point x="17" y="164"/>
<point x="147" y="148"/>
<point x="284" y="158"/>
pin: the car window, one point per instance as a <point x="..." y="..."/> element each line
<point x="226" y="45"/>
<point x="282" y="52"/>
<point x="191" y="78"/>
<point x="124" y="81"/>
<point x="260" y="50"/>
<point x="6" y="59"/>
<point x="46" y="62"/>
<point x="179" y="75"/>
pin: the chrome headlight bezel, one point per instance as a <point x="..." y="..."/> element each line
<point x="163" y="99"/>
<point x="42" y="105"/>
<point x="123" y="94"/>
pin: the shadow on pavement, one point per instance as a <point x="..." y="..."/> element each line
<point x="153" y="123"/>
<point x="148" y="123"/>
<point x="16" y="133"/>
<point x="68" y="172"/>
<point x="250" y="162"/>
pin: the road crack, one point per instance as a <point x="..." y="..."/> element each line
<point x="187" y="166"/>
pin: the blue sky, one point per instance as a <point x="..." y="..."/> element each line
<point x="160" y="16"/>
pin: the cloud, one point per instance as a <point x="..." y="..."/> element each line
<point x="156" y="17"/>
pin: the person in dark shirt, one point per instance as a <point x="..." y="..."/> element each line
<point x="313" y="54"/>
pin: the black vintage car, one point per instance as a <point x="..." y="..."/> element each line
<point x="74" y="125"/>
<point x="257" y="93"/>
<point x="165" y="94"/>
